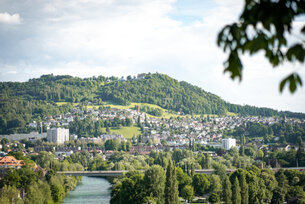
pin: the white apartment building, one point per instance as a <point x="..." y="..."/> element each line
<point x="228" y="143"/>
<point x="31" y="136"/>
<point x="58" y="135"/>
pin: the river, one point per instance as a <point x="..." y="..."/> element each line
<point x="90" y="190"/>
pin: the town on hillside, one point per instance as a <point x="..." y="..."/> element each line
<point x="203" y="153"/>
<point x="97" y="125"/>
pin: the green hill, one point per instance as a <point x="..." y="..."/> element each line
<point x="20" y="103"/>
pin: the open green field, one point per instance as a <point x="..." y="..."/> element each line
<point x="166" y="113"/>
<point x="127" y="132"/>
<point x="231" y="114"/>
<point x="64" y="103"/>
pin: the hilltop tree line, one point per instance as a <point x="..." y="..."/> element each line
<point x="178" y="96"/>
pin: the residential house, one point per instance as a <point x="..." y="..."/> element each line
<point x="11" y="162"/>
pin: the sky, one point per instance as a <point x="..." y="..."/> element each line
<point x="88" y="38"/>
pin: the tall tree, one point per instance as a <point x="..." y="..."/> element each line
<point x="244" y="189"/>
<point x="182" y="178"/>
<point x="207" y="161"/>
<point x="220" y="170"/>
<point x="201" y="183"/>
<point x="127" y="193"/>
<point x="154" y="180"/>
<point x="171" y="185"/>
<point x="10" y="193"/>
<point x="214" y="198"/>
<point x="216" y="186"/>
<point x="227" y="192"/>
<point x="34" y="195"/>
<point x="115" y="193"/>
<point x="57" y="192"/>
<point x="242" y="144"/>
<point x="270" y="183"/>
<point x="188" y="193"/>
<point x="278" y="196"/>
<point x="236" y="194"/>
<point x="282" y="181"/>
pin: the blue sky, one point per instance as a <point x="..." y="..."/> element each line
<point x="188" y="11"/>
<point x="125" y="37"/>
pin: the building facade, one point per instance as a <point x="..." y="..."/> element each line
<point x="228" y="143"/>
<point x="11" y="162"/>
<point x="31" y="136"/>
<point x="58" y="135"/>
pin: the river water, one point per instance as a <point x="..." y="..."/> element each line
<point x="90" y="190"/>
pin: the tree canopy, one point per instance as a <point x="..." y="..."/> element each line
<point x="265" y="25"/>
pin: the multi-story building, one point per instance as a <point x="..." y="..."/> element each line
<point x="58" y="135"/>
<point x="31" y="136"/>
<point x="228" y="143"/>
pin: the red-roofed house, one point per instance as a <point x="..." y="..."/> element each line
<point x="10" y="162"/>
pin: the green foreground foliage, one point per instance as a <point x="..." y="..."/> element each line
<point x="36" y="186"/>
<point x="162" y="184"/>
<point x="265" y="26"/>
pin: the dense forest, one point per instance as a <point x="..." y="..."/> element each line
<point x="20" y="103"/>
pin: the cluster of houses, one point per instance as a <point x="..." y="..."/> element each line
<point x="175" y="132"/>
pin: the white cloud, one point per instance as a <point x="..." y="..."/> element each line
<point x="91" y="37"/>
<point x="6" y="18"/>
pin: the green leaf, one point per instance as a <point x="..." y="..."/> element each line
<point x="296" y="52"/>
<point x="282" y="40"/>
<point x="221" y="36"/>
<point x="282" y="84"/>
<point x="303" y="30"/>
<point x="234" y="65"/>
<point x="293" y="80"/>
<point x="298" y="78"/>
<point x="277" y="19"/>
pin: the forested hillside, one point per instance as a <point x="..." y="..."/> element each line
<point x="171" y="94"/>
<point x="20" y="103"/>
<point x="166" y="92"/>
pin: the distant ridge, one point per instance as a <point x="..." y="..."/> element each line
<point x="21" y="102"/>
